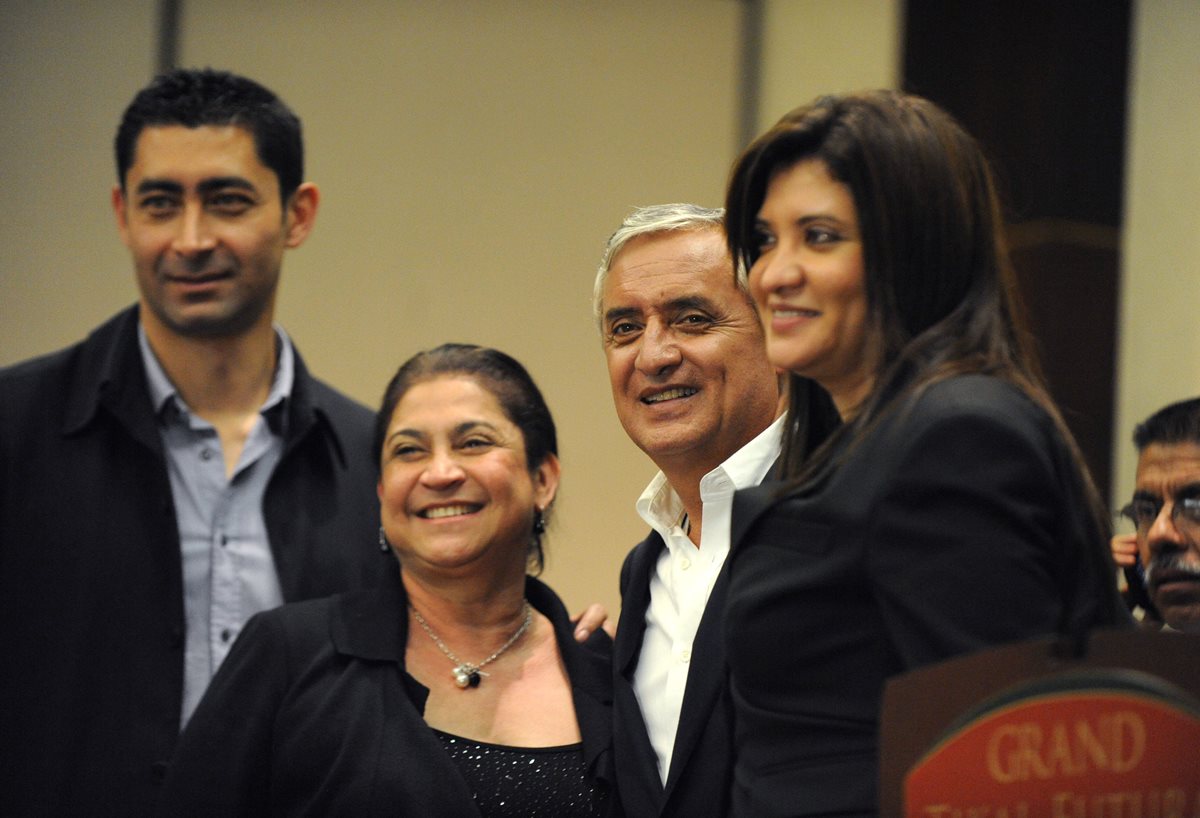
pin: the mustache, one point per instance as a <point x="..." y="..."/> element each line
<point x="1173" y="563"/>
<point x="203" y="264"/>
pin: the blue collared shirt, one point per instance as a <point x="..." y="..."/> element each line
<point x="228" y="567"/>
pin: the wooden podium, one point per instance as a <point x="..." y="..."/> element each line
<point x="1103" y="728"/>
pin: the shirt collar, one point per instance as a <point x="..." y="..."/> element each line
<point x="163" y="393"/>
<point x="660" y="506"/>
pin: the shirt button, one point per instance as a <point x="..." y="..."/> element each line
<point x="226" y="635"/>
<point x="685" y="655"/>
<point x="206" y="454"/>
<point x="685" y="564"/>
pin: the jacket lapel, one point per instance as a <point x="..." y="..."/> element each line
<point x="373" y="624"/>
<point x="110" y="376"/>
<point x="635" y="599"/>
<point x="639" y="783"/>
<point x="748" y="506"/>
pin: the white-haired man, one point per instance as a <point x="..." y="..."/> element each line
<point x="694" y="390"/>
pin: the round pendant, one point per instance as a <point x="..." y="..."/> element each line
<point x="473" y="678"/>
<point x="462" y="678"/>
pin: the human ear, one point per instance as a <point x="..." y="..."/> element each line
<point x="118" y="206"/>
<point x="301" y="213"/>
<point x="545" y="481"/>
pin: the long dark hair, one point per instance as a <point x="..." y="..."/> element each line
<point x="941" y="291"/>
<point x="511" y="385"/>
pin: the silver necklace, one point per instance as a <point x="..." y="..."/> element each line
<point x="467" y="674"/>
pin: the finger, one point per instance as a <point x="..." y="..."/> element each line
<point x="589" y="621"/>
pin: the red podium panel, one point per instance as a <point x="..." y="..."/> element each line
<point x="1033" y="730"/>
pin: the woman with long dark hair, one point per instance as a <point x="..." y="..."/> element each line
<point x="933" y="501"/>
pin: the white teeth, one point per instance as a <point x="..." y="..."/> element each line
<point x="794" y="313"/>
<point x="446" y="511"/>
<point x="670" y="394"/>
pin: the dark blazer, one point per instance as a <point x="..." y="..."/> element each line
<point x="91" y="596"/>
<point x="957" y="524"/>
<point x="702" y="759"/>
<point x="313" y="713"/>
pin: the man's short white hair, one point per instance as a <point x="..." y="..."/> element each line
<point x="653" y="219"/>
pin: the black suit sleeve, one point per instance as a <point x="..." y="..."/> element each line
<point x="626" y="567"/>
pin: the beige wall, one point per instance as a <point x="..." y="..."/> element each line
<point x="814" y="47"/>
<point x="66" y="71"/>
<point x="1159" y="341"/>
<point x="474" y="155"/>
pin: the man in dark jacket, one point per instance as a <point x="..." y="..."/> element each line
<point x="694" y="390"/>
<point x="177" y="471"/>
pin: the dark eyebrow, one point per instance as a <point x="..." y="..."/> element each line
<point x="686" y="302"/>
<point x="692" y="302"/>
<point x="159" y="186"/>
<point x="225" y="182"/>
<point x="620" y="312"/>
<point x="207" y="186"/>
<point x="1186" y="490"/>
<point x="805" y="220"/>
<point x="471" y="425"/>
<point x="460" y="429"/>
<point x="405" y="433"/>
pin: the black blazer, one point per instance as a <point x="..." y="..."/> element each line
<point x="702" y="760"/>
<point x="313" y="713"/>
<point x="957" y="524"/>
<point x="91" y="589"/>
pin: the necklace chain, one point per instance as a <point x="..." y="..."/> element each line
<point x="467" y="674"/>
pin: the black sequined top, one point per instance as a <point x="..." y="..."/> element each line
<point x="525" y="782"/>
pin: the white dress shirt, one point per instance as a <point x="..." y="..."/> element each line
<point x="684" y="577"/>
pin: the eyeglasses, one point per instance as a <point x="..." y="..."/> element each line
<point x="1143" y="511"/>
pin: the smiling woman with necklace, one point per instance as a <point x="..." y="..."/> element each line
<point x="454" y="689"/>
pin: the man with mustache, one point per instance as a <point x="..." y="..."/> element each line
<point x="1166" y="511"/>
<point x="694" y="390"/>
<point x="178" y="470"/>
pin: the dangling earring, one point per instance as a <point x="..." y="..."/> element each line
<point x="539" y="522"/>
<point x="383" y="543"/>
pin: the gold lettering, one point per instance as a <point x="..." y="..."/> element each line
<point x="1153" y="803"/>
<point x="1113" y="742"/>
<point x="1092" y="746"/>
<point x="1127" y="744"/>
<point x="1002" y="761"/>
<point x="1066" y="805"/>
<point x="1174" y="802"/>
<point x="1031" y="746"/>
<point x="1112" y="804"/>
<point x="1059" y="756"/>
